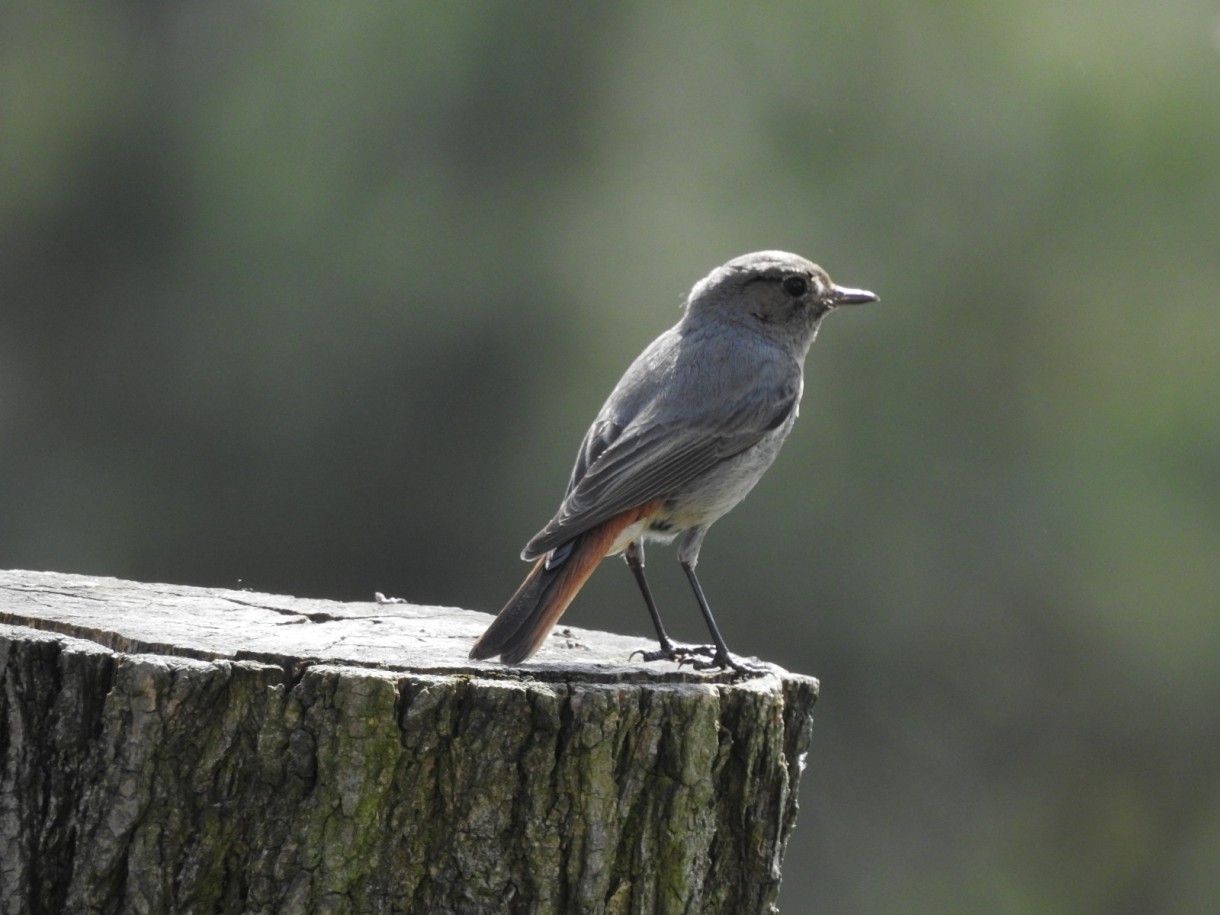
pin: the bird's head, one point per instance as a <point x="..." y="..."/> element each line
<point x="782" y="295"/>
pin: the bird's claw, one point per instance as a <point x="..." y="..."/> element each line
<point x="701" y="657"/>
<point x="721" y="661"/>
<point x="679" y="654"/>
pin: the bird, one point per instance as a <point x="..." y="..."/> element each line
<point x="686" y="433"/>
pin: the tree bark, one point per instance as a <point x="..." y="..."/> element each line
<point x="175" y="749"/>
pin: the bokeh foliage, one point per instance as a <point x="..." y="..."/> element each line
<point x="319" y="298"/>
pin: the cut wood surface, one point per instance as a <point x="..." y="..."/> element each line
<point x="177" y="749"/>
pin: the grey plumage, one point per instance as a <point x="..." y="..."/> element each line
<point x="702" y="412"/>
<point x="690" y="428"/>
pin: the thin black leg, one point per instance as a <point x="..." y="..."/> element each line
<point x="634" y="556"/>
<point x="721" y="658"/>
<point x="669" y="650"/>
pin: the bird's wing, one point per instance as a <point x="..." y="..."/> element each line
<point x="621" y="468"/>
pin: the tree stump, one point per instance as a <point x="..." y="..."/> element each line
<point x="176" y="749"/>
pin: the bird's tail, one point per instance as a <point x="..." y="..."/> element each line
<point x="530" y="614"/>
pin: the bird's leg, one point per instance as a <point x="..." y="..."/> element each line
<point x="669" y="650"/>
<point x="721" y="658"/>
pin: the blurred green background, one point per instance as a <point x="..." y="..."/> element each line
<point x="319" y="298"/>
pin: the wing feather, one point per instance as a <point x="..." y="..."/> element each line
<point x="621" y="468"/>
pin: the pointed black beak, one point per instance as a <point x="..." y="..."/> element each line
<point x="840" y="295"/>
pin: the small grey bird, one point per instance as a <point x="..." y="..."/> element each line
<point x="685" y="434"/>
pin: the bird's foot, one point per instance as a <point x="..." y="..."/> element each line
<point x="679" y="654"/>
<point x="722" y="660"/>
<point x="702" y="657"/>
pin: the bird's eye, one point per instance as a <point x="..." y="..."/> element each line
<point x="795" y="285"/>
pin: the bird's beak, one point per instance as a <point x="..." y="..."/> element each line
<point x="840" y="295"/>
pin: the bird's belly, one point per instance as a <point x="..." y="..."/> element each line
<point x="711" y="496"/>
<point x="650" y="530"/>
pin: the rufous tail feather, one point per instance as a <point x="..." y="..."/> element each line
<point x="530" y="614"/>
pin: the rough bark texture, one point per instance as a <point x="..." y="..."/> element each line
<point x="173" y="749"/>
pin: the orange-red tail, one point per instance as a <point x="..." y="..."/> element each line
<point x="532" y="612"/>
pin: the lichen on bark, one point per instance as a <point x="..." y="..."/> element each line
<point x="166" y="783"/>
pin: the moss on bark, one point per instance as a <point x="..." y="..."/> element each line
<point x="162" y="783"/>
